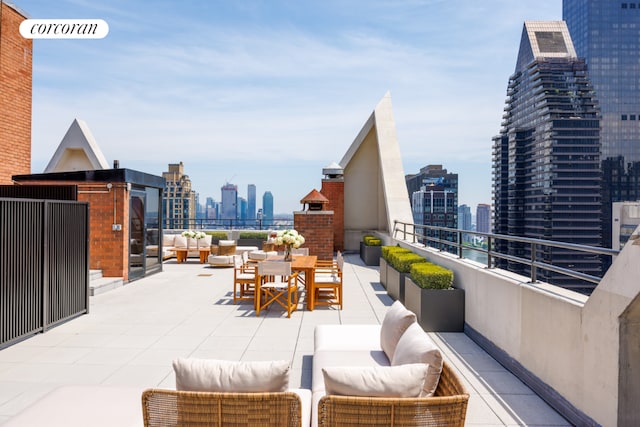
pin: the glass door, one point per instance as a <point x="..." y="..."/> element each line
<point x="137" y="241"/>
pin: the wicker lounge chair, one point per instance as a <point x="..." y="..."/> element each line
<point x="447" y="408"/>
<point x="164" y="408"/>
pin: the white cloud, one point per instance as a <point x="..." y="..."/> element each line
<point x="247" y="81"/>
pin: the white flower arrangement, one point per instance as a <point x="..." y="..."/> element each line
<point x="194" y="234"/>
<point x="289" y="238"/>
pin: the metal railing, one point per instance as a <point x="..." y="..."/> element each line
<point x="452" y="240"/>
<point x="229" y="224"/>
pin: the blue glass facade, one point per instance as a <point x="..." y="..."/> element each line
<point x="606" y="33"/>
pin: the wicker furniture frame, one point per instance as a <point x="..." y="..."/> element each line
<point x="164" y="408"/>
<point x="447" y="408"/>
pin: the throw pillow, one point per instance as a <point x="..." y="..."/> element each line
<point x="230" y="376"/>
<point x="415" y="346"/>
<point x="376" y="381"/>
<point x="168" y="240"/>
<point x="180" y="242"/>
<point x="395" y="322"/>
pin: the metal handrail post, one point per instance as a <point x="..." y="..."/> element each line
<point x="534" y="272"/>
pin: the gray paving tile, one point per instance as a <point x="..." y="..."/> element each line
<point x="132" y="335"/>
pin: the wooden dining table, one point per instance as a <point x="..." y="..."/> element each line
<point x="301" y="263"/>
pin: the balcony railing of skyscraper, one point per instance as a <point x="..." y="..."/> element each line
<point x="550" y="260"/>
<point x="229" y="224"/>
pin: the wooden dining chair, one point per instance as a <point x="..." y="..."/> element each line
<point x="327" y="283"/>
<point x="244" y="279"/>
<point x="277" y="284"/>
<point x="300" y="251"/>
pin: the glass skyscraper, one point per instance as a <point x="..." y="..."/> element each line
<point x="251" y="201"/>
<point x="606" y="33"/>
<point x="267" y="207"/>
<point x="546" y="159"/>
<point x="229" y="205"/>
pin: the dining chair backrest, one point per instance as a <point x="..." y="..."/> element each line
<point x="300" y="251"/>
<point x="237" y="261"/>
<point x="274" y="268"/>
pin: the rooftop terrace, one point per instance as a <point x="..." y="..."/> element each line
<point x="133" y="333"/>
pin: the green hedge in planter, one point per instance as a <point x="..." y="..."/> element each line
<point x="217" y="235"/>
<point x="403" y="261"/>
<point x="431" y="276"/>
<point x="258" y="235"/>
<point x="372" y="241"/>
<point x="388" y="251"/>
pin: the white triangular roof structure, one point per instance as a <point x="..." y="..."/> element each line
<point x="77" y="151"/>
<point x="375" y="190"/>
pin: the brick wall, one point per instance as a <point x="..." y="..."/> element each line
<point x="109" y="250"/>
<point x="333" y="189"/>
<point x="317" y="229"/>
<point x="15" y="96"/>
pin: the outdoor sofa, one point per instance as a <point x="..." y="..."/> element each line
<point x="397" y="363"/>
<point x="390" y="374"/>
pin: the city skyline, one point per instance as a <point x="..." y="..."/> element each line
<point x="272" y="93"/>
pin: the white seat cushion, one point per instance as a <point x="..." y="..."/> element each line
<point x="347" y="337"/>
<point x="218" y="260"/>
<point x="375" y="381"/>
<point x="325" y="359"/>
<point x="261" y="255"/>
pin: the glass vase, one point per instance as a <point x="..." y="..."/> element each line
<point x="287" y="253"/>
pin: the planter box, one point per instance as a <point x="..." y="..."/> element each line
<point x="370" y="254"/>
<point x="437" y="310"/>
<point x="395" y="284"/>
<point x="383" y="272"/>
<point x="251" y="242"/>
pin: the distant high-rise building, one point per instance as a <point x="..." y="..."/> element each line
<point x="251" y="201"/>
<point x="267" y="207"/>
<point x="242" y="208"/>
<point x="546" y="171"/>
<point x="606" y="33"/>
<point x="211" y="208"/>
<point x="179" y="200"/>
<point x="626" y="218"/>
<point x="483" y="218"/>
<point x="229" y="207"/>
<point x="435" y="201"/>
<point x="464" y="217"/>
<point x="200" y="210"/>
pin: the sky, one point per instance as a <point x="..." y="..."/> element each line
<point x="269" y="92"/>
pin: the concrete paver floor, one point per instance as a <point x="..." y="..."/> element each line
<point x="133" y="333"/>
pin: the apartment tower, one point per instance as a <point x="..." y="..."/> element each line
<point x="606" y="33"/>
<point x="546" y="159"/>
<point x="179" y="201"/>
<point x="434" y="199"/>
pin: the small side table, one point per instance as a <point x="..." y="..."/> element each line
<point x="181" y="255"/>
<point x="204" y="255"/>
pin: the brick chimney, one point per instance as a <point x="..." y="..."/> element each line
<point x="333" y="190"/>
<point x="315" y="223"/>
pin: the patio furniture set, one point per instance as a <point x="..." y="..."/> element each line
<point x="276" y="281"/>
<point x="390" y="374"/>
